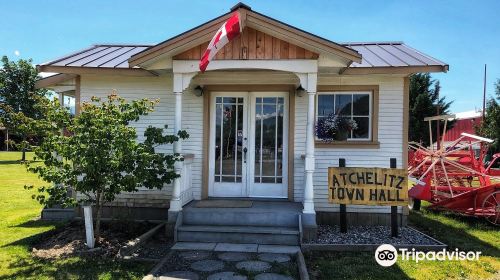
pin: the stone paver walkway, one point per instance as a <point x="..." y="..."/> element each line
<point x="214" y="265"/>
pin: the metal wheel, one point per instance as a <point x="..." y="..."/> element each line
<point x="414" y="204"/>
<point x="491" y="208"/>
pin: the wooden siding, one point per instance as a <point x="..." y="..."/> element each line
<point x="132" y="88"/>
<point x="390" y="129"/>
<point x="252" y="44"/>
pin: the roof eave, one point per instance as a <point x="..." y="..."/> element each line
<point x="139" y="72"/>
<point x="407" y="70"/>
<point x="53" y="80"/>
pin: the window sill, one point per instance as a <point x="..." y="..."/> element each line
<point x="349" y="144"/>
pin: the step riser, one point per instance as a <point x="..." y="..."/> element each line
<point x="226" y="237"/>
<point x="240" y="219"/>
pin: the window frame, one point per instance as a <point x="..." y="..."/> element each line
<point x="373" y="91"/>
<point x="351" y="116"/>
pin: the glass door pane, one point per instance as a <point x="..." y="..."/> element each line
<point x="269" y="121"/>
<point x="229" y="139"/>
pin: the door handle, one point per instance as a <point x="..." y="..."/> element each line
<point x="245" y="150"/>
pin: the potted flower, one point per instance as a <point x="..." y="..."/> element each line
<point x="335" y="128"/>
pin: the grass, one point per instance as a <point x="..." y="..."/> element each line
<point x="20" y="228"/>
<point x="464" y="233"/>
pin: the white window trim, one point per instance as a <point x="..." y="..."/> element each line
<point x="370" y="112"/>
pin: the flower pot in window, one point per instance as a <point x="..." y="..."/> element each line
<point x="341" y="135"/>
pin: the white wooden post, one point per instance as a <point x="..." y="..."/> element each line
<point x="61" y="99"/>
<point x="309" y="82"/>
<point x="181" y="83"/>
<point x="309" y="160"/>
<point x="175" y="202"/>
<point x="89" y="225"/>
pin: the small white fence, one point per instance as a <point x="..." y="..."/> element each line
<point x="186" y="179"/>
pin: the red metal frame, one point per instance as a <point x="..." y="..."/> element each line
<point x="454" y="178"/>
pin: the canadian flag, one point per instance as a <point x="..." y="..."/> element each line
<point x="227" y="32"/>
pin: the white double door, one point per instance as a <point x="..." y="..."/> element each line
<point x="248" y="153"/>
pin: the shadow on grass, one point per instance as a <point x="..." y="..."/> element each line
<point x="455" y="236"/>
<point x="38" y="223"/>
<point x="350" y="265"/>
<point x="10" y="162"/>
<point x="83" y="267"/>
<point x="2" y="162"/>
<point x="30" y="241"/>
<point x="76" y="268"/>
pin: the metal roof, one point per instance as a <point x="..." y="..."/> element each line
<point x="391" y="54"/>
<point x="374" y="54"/>
<point x="100" y="56"/>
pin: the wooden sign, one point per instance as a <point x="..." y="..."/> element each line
<point x="368" y="186"/>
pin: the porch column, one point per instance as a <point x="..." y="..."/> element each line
<point x="309" y="215"/>
<point x="175" y="201"/>
<point x="181" y="82"/>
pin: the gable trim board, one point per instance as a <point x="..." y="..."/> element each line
<point x="259" y="22"/>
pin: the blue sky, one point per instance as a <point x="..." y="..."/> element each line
<point x="464" y="34"/>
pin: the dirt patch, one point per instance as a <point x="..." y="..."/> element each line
<point x="69" y="240"/>
<point x="156" y="248"/>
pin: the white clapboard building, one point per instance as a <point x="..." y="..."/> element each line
<point x="253" y="158"/>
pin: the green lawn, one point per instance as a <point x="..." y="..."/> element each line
<point x="457" y="232"/>
<point x="20" y="227"/>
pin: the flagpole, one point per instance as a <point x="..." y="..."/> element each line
<point x="481" y="154"/>
<point x="484" y="96"/>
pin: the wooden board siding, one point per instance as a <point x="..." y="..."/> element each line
<point x="390" y="130"/>
<point x="132" y="88"/>
<point x="390" y="126"/>
<point x="252" y="44"/>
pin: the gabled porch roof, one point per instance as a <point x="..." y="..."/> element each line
<point x="249" y="18"/>
<point x="343" y="58"/>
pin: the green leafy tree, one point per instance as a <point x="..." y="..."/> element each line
<point x="491" y="126"/>
<point x="424" y="102"/>
<point x="99" y="155"/>
<point x="19" y="99"/>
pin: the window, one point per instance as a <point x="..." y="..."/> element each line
<point x="349" y="104"/>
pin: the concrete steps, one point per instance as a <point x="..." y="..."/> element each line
<point x="239" y="234"/>
<point x="239" y="217"/>
<point x="274" y="223"/>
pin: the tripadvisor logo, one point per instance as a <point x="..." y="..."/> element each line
<point x="387" y="255"/>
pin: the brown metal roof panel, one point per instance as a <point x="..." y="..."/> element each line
<point x="387" y="56"/>
<point x="369" y="57"/>
<point x="72" y="58"/>
<point x="122" y="61"/>
<point x="402" y="55"/>
<point x="86" y="60"/>
<point x="125" y="53"/>
<point x="69" y="55"/>
<point x="110" y="56"/>
<point x="426" y="60"/>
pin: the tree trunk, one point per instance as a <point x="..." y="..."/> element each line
<point x="98" y="205"/>
<point x="23" y="159"/>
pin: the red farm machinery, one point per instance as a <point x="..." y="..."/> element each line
<point x="452" y="175"/>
